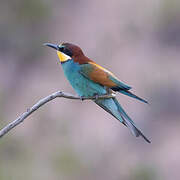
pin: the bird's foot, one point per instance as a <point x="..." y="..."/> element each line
<point x="96" y="96"/>
<point x="82" y="98"/>
<point x="109" y="91"/>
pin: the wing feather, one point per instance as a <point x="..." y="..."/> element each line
<point x="102" y="76"/>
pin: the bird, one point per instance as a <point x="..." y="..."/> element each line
<point x="89" y="79"/>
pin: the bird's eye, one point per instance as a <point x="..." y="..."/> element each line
<point x="65" y="50"/>
<point x="61" y="48"/>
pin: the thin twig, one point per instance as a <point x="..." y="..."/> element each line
<point x="43" y="101"/>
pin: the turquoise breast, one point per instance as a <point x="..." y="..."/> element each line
<point x="82" y="85"/>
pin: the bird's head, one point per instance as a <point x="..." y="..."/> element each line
<point x="67" y="51"/>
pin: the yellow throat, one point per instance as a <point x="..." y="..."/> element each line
<point x="63" y="57"/>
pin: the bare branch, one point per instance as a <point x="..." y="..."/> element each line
<point x="43" y="101"/>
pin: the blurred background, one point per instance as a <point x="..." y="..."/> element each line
<point x="72" y="140"/>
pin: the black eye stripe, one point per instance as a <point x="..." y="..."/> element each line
<point x="68" y="52"/>
<point x="65" y="50"/>
<point x="61" y="49"/>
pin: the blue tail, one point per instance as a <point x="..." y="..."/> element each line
<point x="113" y="107"/>
<point x="130" y="94"/>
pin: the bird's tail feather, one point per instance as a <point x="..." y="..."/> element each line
<point x="130" y="94"/>
<point x="129" y="122"/>
<point x="113" y="107"/>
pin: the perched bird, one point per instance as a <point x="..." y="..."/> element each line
<point x="89" y="79"/>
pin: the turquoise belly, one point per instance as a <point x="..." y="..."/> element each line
<point x="82" y="85"/>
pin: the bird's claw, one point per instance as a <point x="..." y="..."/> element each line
<point x="82" y="98"/>
<point x="96" y="97"/>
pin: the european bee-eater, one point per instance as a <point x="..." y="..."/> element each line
<point x="90" y="79"/>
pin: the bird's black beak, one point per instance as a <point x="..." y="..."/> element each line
<point x="51" y="45"/>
